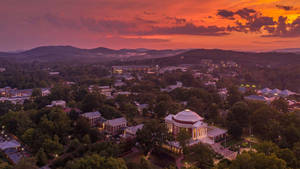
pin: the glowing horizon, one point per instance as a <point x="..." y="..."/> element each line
<point x="249" y="25"/>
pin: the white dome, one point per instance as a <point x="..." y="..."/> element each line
<point x="188" y="116"/>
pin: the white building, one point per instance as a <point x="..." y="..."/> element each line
<point x="57" y="103"/>
<point x="188" y="120"/>
<point x="172" y="87"/>
<point x="45" y="91"/>
<point x="130" y="132"/>
<point x="115" y="126"/>
<point x="94" y="118"/>
<point x="193" y="123"/>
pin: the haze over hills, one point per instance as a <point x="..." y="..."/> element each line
<point x="288" y="50"/>
<point x="69" y="53"/>
<point x="246" y="58"/>
<point x="149" y="56"/>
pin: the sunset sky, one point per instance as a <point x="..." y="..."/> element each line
<point x="249" y="25"/>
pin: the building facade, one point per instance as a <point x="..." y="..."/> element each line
<point x="94" y="118"/>
<point x="189" y="121"/>
<point x="115" y="126"/>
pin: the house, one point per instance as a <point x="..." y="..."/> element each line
<point x="115" y="126"/>
<point x="172" y="68"/>
<point x="275" y="92"/>
<point x="172" y="87"/>
<point x="286" y="93"/>
<point x="259" y="98"/>
<point x="2" y="69"/>
<point x="105" y="90"/>
<point x="94" y="118"/>
<point x="57" y="103"/>
<point x="130" y="132"/>
<point x="12" y="149"/>
<point x="223" y="93"/>
<point x="20" y="93"/>
<point x="54" y="73"/>
<point x="45" y="91"/>
<point x="119" y="83"/>
<point x="210" y="83"/>
<point x="141" y="107"/>
<point x="134" y="69"/>
<point x="126" y="93"/>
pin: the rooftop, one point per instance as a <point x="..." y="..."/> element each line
<point x="116" y="122"/>
<point x="91" y="115"/>
<point x="187" y="116"/>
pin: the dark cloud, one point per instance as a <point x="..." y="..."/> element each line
<point x="176" y="20"/>
<point x="285" y="29"/>
<point x="146" y="21"/>
<point x="188" y="29"/>
<point x="109" y="26"/>
<point x="135" y="26"/>
<point x="226" y="14"/>
<point x="246" y="13"/>
<point x="285" y="7"/>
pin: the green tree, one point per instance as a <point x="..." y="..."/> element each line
<point x="37" y="92"/>
<point x="151" y="136"/>
<point x="280" y="104"/>
<point x="267" y="147"/>
<point x="253" y="160"/>
<point x="234" y="95"/>
<point x="183" y="138"/>
<point x="26" y="163"/>
<point x="202" y="155"/>
<point x="86" y="139"/>
<point x="289" y="157"/>
<point x="41" y="157"/>
<point x="52" y="146"/>
<point x="95" y="161"/>
<point x="5" y="165"/>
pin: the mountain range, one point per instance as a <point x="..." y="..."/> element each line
<point x="69" y="54"/>
<point x="73" y="54"/>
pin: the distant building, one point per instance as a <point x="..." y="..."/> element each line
<point x="173" y="87"/>
<point x="58" y="103"/>
<point x="115" y="126"/>
<point x="141" y="107"/>
<point x="11" y="148"/>
<point x="119" y="83"/>
<point x="45" y="91"/>
<point x="54" y="73"/>
<point x="21" y="93"/>
<point x="2" y="69"/>
<point x="130" y="132"/>
<point x="223" y="93"/>
<point x="134" y="68"/>
<point x="94" y="118"/>
<point x="259" y="98"/>
<point x="104" y="90"/>
<point x="172" y="68"/>
<point x="275" y="92"/>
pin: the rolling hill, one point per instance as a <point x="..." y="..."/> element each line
<point x="73" y="54"/>
<point x="246" y="58"/>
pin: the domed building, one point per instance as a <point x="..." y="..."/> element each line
<point x="193" y="123"/>
<point x="189" y="121"/>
